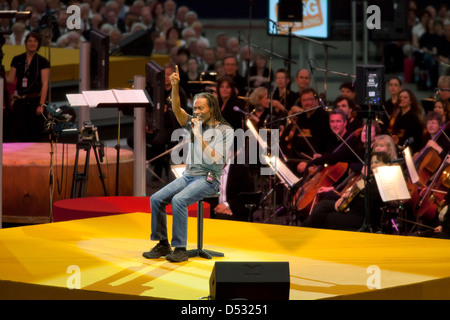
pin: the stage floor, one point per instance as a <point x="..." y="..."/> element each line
<point x="103" y="256"/>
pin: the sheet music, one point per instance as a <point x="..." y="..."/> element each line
<point x="391" y="183"/>
<point x="410" y="165"/>
<point x="130" y="96"/>
<point x="76" y="100"/>
<point x="93" y="98"/>
<point x="283" y="172"/>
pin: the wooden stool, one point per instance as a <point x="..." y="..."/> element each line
<point x="200" y="252"/>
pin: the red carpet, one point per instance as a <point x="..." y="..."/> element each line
<point x="82" y="208"/>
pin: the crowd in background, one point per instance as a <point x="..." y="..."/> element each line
<point x="239" y="77"/>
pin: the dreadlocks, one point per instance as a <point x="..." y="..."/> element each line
<point x="213" y="104"/>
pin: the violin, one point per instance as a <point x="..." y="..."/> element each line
<point x="291" y="128"/>
<point x="353" y="188"/>
<point x="433" y="199"/>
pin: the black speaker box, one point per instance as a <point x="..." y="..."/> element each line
<point x="139" y="43"/>
<point x="290" y="10"/>
<point x="369" y="85"/>
<point x="250" y="281"/>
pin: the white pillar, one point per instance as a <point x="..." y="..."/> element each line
<point x="139" y="143"/>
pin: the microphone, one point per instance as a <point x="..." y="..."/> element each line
<point x="210" y="89"/>
<point x="237" y="109"/>
<point x="194" y="116"/>
<point x="270" y="20"/>
<point x="407" y="143"/>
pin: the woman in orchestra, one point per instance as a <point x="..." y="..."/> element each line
<point x="443" y="108"/>
<point x="394" y="88"/>
<point x="330" y="214"/>
<point x="408" y="120"/>
<point x="385" y="143"/>
<point x="228" y="99"/>
<point x="260" y="100"/>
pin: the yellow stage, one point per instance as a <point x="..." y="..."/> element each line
<point x="65" y="65"/>
<point x="103" y="257"/>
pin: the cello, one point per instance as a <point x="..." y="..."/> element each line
<point x="428" y="160"/>
<point x="433" y="199"/>
<point x="327" y="177"/>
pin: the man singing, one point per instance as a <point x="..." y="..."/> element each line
<point x="211" y="138"/>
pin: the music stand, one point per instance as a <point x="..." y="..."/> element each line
<point x="120" y="107"/>
<point x="120" y="99"/>
<point x="287" y="178"/>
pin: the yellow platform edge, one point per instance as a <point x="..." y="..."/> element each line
<point x="324" y="264"/>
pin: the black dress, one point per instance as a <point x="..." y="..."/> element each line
<point x="28" y="126"/>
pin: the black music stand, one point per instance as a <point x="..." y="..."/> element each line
<point x="121" y="106"/>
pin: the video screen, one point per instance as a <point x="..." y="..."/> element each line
<point x="314" y="24"/>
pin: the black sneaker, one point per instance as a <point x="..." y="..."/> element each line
<point x="158" y="251"/>
<point x="178" y="255"/>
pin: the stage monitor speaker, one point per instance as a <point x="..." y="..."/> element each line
<point x="139" y="43"/>
<point x="250" y="281"/>
<point x="290" y="10"/>
<point x="369" y="85"/>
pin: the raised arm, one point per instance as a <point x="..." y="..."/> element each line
<point x="180" y="114"/>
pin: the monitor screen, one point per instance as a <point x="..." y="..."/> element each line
<point x="314" y="24"/>
<point x="99" y="56"/>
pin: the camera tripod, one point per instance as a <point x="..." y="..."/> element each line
<point x="79" y="183"/>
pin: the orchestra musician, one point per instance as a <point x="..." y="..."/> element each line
<point x="282" y="92"/>
<point x="228" y="99"/>
<point x="260" y="100"/>
<point x="439" y="143"/>
<point x="337" y="124"/>
<point x="408" y="120"/>
<point x="313" y="123"/>
<point x="349" y="107"/>
<point x="331" y="214"/>
<point x="380" y="143"/>
<point x="442" y="107"/>
<point x="394" y="88"/>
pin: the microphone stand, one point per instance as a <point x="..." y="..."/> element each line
<point x="326" y="47"/>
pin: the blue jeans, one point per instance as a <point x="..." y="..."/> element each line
<point x="181" y="193"/>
